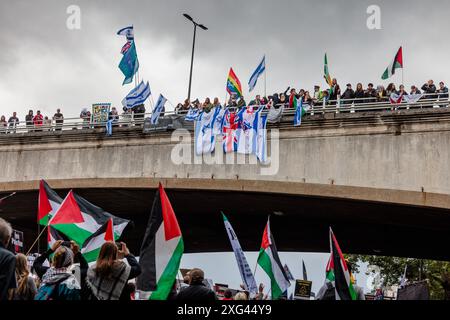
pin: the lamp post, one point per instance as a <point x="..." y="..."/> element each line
<point x="193" y="47"/>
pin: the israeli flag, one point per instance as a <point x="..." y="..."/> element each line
<point x="158" y="108"/>
<point x="127" y="31"/>
<point x="137" y="96"/>
<point x="298" y="112"/>
<point x="205" y="139"/>
<point x="261" y="138"/>
<point x="192" y="114"/>
<point x="259" y="71"/>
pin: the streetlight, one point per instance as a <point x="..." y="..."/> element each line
<point x="193" y="46"/>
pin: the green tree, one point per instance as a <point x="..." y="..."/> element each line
<point x="392" y="269"/>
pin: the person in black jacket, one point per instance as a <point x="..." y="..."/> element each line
<point x="197" y="291"/>
<point x="7" y="262"/>
<point x="359" y="93"/>
<point x="348" y="95"/>
<point x="108" y="278"/>
<point x="429" y="88"/>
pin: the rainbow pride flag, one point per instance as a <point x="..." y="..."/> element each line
<point x="233" y="84"/>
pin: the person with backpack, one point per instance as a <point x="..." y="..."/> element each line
<point x="59" y="282"/>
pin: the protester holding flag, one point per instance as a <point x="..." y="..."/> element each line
<point x="107" y="279"/>
<point x="58" y="281"/>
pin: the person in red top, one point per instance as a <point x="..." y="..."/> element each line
<point x="38" y="120"/>
<point x="227" y="295"/>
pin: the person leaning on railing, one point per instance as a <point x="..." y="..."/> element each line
<point x="3" y="124"/>
<point x="86" y="116"/>
<point x="38" y="121"/>
<point x="58" y="117"/>
<point x="13" y="122"/>
<point x="29" y="121"/>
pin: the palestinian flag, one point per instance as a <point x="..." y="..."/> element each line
<point x="161" y="250"/>
<point x="326" y="73"/>
<point x="78" y="219"/>
<point x="270" y="262"/>
<point x="337" y="272"/>
<point x="396" y="64"/>
<point x="54" y="235"/>
<point x="92" y="245"/>
<point x="48" y="203"/>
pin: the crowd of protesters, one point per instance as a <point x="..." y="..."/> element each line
<point x="319" y="97"/>
<point x="360" y="95"/>
<point x="68" y="276"/>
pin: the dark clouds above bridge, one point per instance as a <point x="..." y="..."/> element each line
<point x="44" y="65"/>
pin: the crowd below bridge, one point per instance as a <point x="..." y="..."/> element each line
<point x="332" y="97"/>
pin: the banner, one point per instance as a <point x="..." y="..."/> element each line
<point x="302" y="289"/>
<point x="244" y="268"/>
<point x="17" y="241"/>
<point x="100" y="112"/>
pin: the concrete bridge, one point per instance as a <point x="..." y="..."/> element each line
<point x="381" y="179"/>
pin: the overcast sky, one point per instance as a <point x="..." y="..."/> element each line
<point x="44" y="65"/>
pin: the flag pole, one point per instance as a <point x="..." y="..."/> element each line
<point x="265" y="72"/>
<point x="40" y="234"/>
<point x="39" y="241"/>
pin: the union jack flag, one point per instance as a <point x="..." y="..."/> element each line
<point x="125" y="47"/>
<point x="231" y="123"/>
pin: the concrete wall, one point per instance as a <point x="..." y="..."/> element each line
<point x="391" y="157"/>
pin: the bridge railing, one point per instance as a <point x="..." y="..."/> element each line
<point x="434" y="100"/>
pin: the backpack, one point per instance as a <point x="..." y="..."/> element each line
<point x="49" y="291"/>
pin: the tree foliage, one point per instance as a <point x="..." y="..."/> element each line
<point x="391" y="270"/>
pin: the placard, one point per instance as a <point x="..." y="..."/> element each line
<point x="100" y="112"/>
<point x="302" y="289"/>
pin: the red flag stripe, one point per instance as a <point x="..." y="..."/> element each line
<point x="171" y="227"/>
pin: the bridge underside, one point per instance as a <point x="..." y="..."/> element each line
<point x="301" y="222"/>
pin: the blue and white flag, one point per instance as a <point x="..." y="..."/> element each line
<point x="205" y="139"/>
<point x="218" y="122"/>
<point x="158" y="109"/>
<point x="259" y="71"/>
<point x="137" y="96"/>
<point x="247" y="133"/>
<point x="261" y="136"/>
<point x="300" y="112"/>
<point x="244" y="269"/>
<point x="127" y="31"/>
<point x="192" y="114"/>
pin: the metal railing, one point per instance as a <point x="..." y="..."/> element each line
<point x="137" y="119"/>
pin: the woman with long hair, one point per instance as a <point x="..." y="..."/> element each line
<point x="26" y="288"/>
<point x="107" y="279"/>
